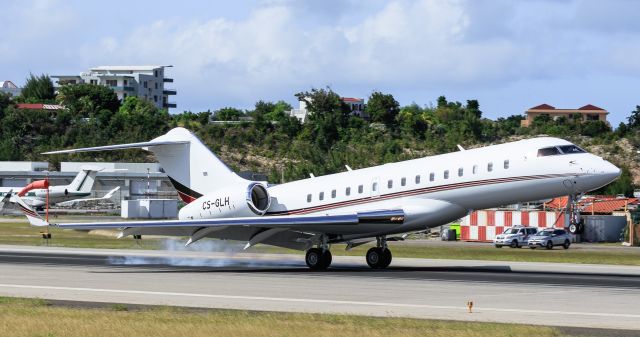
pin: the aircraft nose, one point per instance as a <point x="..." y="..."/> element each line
<point x="608" y="171"/>
<point x="611" y="170"/>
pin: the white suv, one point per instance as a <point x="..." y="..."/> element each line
<point x="514" y="237"/>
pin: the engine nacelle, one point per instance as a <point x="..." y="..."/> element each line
<point x="233" y="201"/>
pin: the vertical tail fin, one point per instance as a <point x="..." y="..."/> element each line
<point x="192" y="168"/>
<point x="84" y="180"/>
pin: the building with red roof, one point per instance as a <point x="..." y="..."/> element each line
<point x="39" y="106"/>
<point x="588" y="112"/>
<point x="596" y="204"/>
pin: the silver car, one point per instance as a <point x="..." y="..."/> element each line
<point x="549" y="238"/>
<point x="514" y="237"/>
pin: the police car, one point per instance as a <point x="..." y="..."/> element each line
<point x="514" y="237"/>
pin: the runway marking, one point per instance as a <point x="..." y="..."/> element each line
<point x="53" y="257"/>
<point x="319" y="301"/>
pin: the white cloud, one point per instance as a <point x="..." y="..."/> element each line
<point x="279" y="47"/>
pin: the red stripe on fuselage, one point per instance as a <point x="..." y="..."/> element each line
<point x="415" y="192"/>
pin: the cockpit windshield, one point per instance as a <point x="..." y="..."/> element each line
<point x="548" y="151"/>
<point x="559" y="150"/>
<point x="569" y="149"/>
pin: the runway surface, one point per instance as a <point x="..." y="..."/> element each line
<point x="595" y="296"/>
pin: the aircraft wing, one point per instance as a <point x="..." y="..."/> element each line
<point x="262" y="228"/>
<point x="285" y="221"/>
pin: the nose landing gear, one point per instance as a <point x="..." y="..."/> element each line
<point x="576" y="226"/>
<point x="379" y="257"/>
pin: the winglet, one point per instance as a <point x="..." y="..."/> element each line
<point x="33" y="217"/>
<point x="111" y="193"/>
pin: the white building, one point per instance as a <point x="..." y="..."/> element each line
<point x="146" y="82"/>
<point x="356" y="106"/>
<point x="10" y="88"/>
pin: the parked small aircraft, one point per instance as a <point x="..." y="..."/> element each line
<point x="357" y="206"/>
<point x="35" y="194"/>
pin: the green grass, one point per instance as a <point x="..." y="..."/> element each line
<point x="20" y="233"/>
<point x="28" y="318"/>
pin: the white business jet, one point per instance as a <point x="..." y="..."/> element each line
<point x="35" y="194"/>
<point x="357" y="206"/>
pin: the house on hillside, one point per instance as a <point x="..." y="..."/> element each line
<point x="10" y="88"/>
<point x="146" y="82"/>
<point x="356" y="106"/>
<point x="588" y="112"/>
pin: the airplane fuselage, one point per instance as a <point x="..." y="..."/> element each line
<point x="433" y="190"/>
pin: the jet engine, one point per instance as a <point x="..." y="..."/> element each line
<point x="234" y="201"/>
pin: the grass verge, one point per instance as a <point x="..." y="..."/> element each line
<point x="29" y="318"/>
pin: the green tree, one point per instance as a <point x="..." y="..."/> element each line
<point x="84" y="99"/>
<point x="328" y="116"/>
<point x="383" y="108"/>
<point x="228" y="114"/>
<point x="38" y="89"/>
<point x="634" y="119"/>
<point x="5" y="101"/>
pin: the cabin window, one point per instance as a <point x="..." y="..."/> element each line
<point x="432" y="176"/>
<point x="475" y="169"/>
<point x="489" y="167"/>
<point x="403" y="181"/>
<point x="374" y="187"/>
<point x="321" y="196"/>
<point x="446" y="174"/>
<point x="506" y="164"/>
<point x="360" y="189"/>
<point x="460" y="172"/>
<point x="333" y="194"/>
<point x="347" y="191"/>
<point x="417" y="179"/>
<point x="308" y="197"/>
<point x="390" y="183"/>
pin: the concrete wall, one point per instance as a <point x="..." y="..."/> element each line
<point x="23" y="165"/>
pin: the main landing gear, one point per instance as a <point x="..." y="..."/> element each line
<point x="319" y="258"/>
<point x="379" y="257"/>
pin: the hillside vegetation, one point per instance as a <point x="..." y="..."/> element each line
<point x="278" y="145"/>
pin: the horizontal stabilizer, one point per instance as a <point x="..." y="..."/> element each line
<point x="121" y="146"/>
<point x="32" y="215"/>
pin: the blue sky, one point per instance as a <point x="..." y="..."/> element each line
<point x="510" y="55"/>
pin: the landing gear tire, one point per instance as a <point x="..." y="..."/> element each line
<point x="566" y="244"/>
<point x="327" y="258"/>
<point x="573" y="228"/>
<point x="514" y="244"/>
<point x="549" y="245"/>
<point x="498" y="246"/>
<point x="387" y="257"/>
<point x="378" y="258"/>
<point x="576" y="228"/>
<point x="317" y="259"/>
